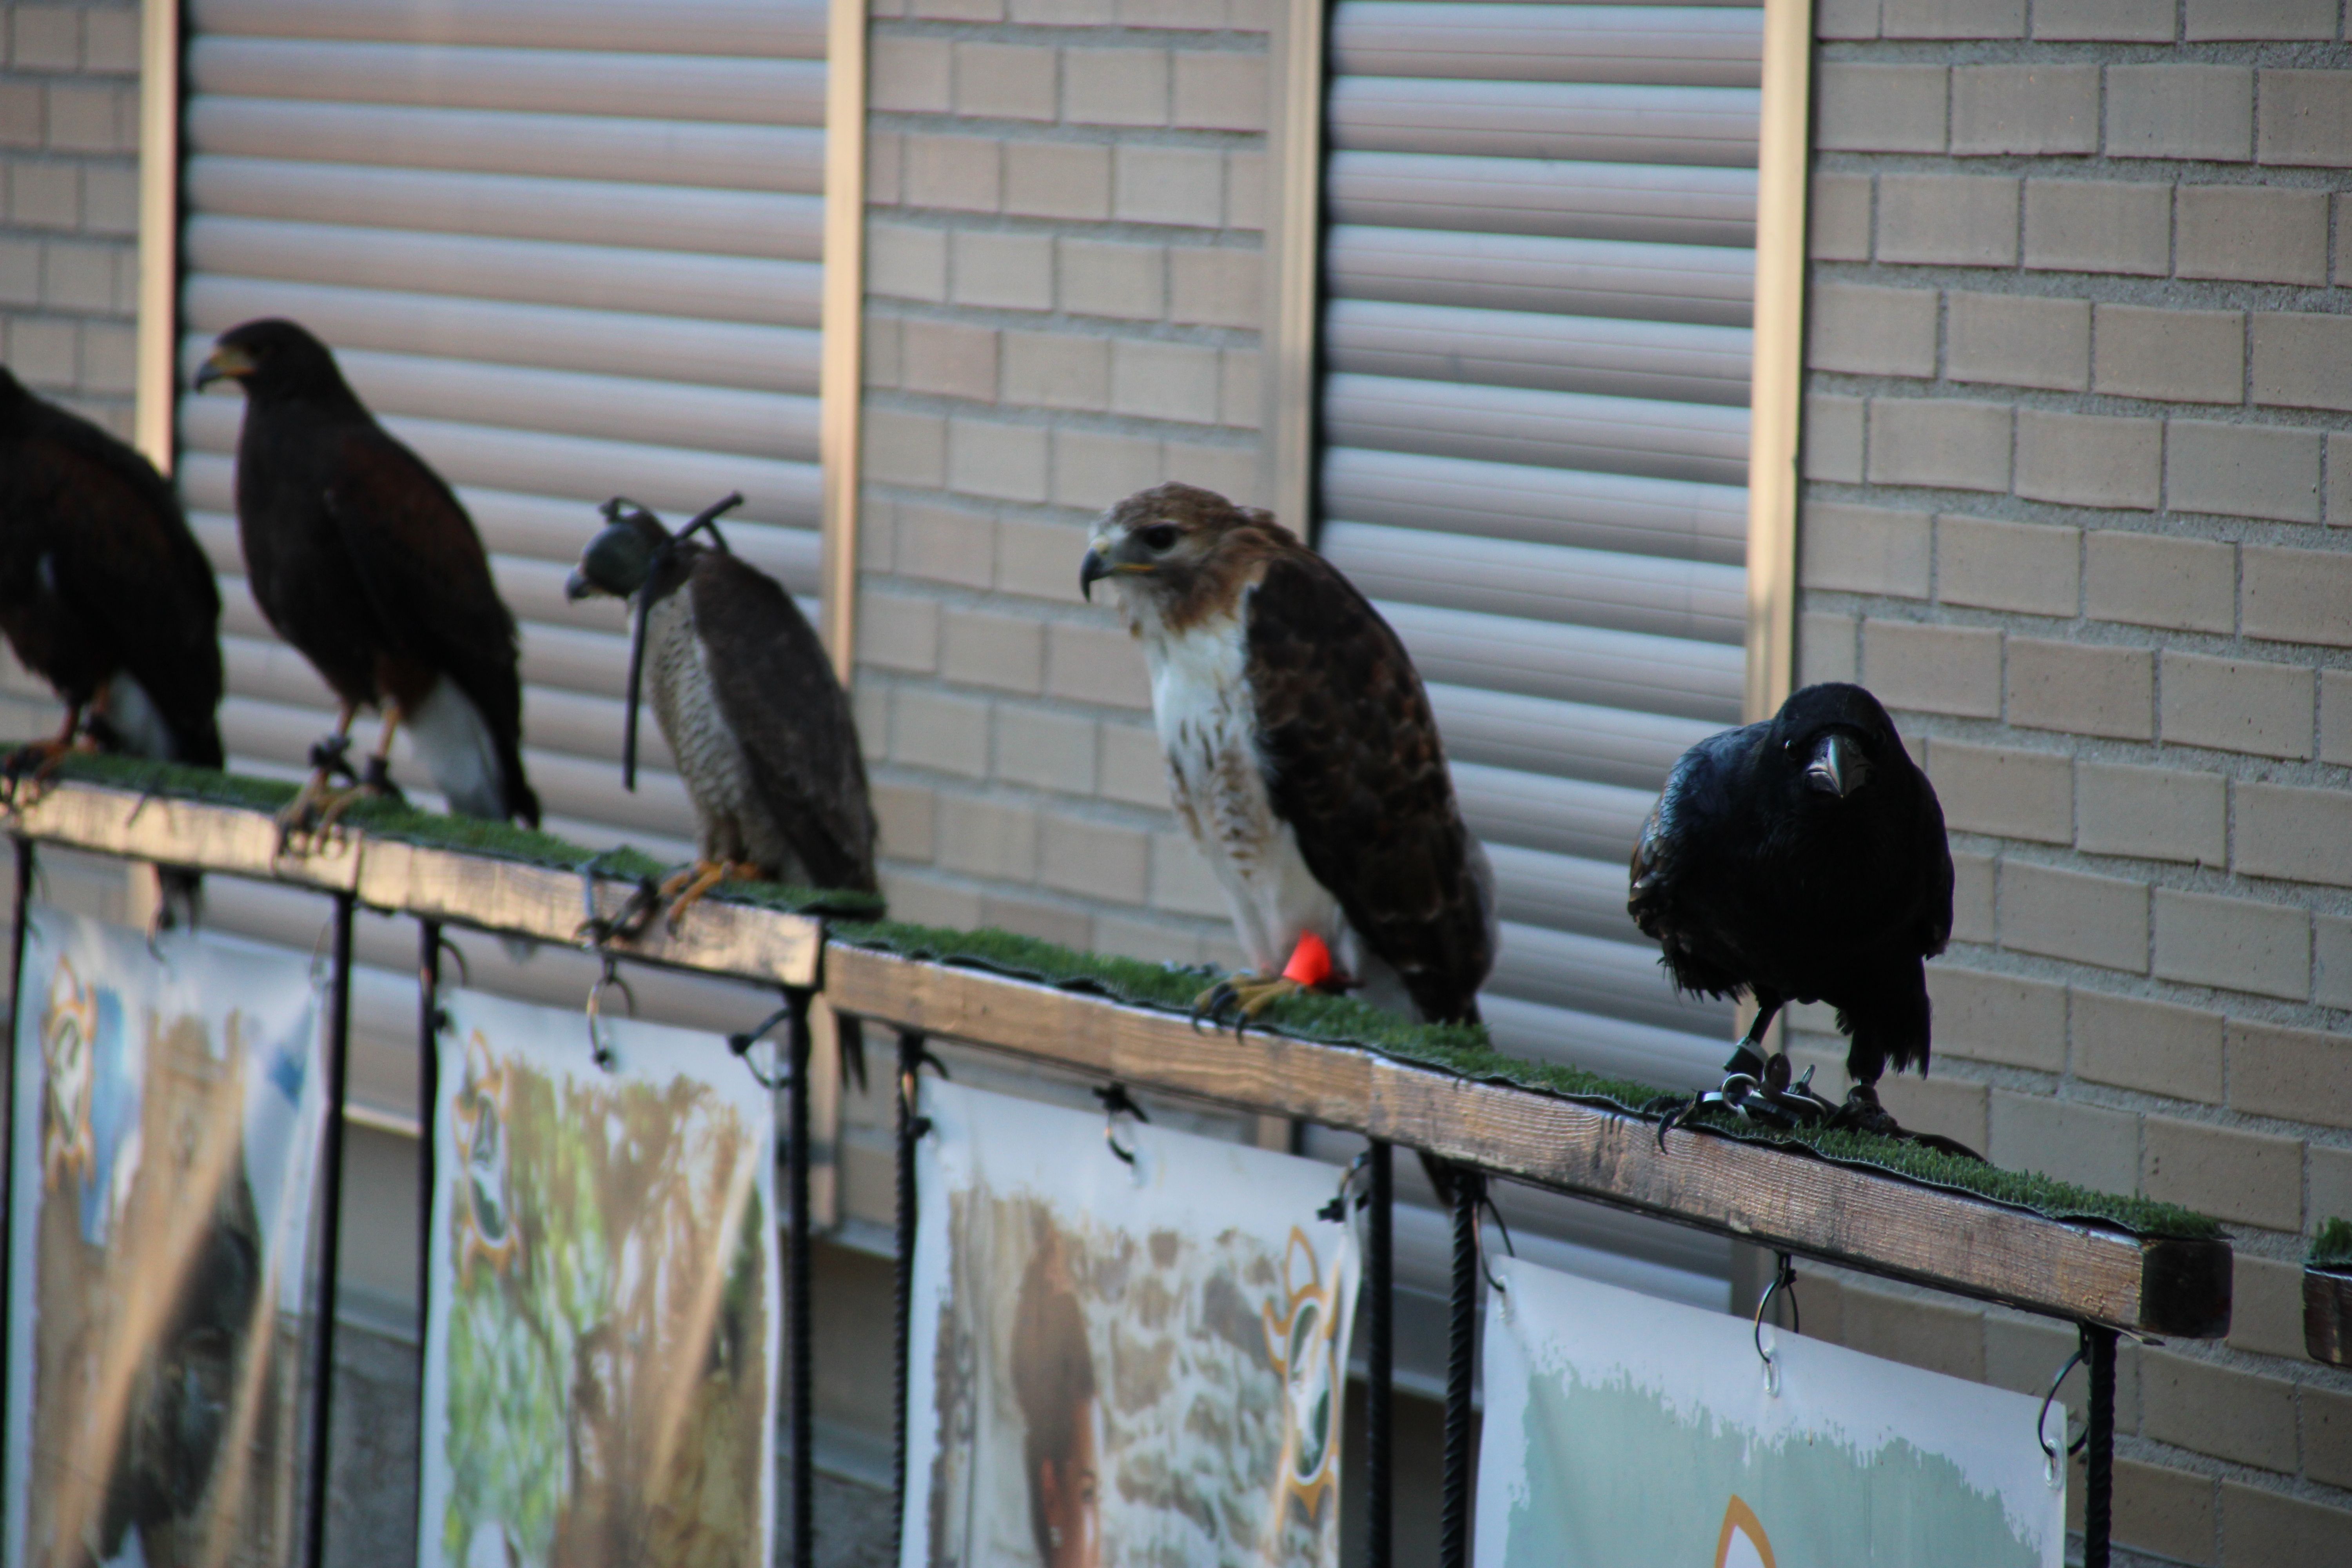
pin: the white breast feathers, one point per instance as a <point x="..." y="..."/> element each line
<point x="1208" y="730"/>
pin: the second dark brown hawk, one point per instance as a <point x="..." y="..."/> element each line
<point x="362" y="559"/>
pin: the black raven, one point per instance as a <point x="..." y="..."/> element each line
<point x="1803" y="859"/>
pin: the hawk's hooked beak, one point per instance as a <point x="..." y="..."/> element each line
<point x="1838" y="767"/>
<point x="226" y="363"/>
<point x="1091" y="570"/>
<point x="577" y="587"/>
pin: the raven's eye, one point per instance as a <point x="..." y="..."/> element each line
<point x="1159" y="536"/>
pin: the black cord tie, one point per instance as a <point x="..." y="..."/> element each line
<point x="705" y="521"/>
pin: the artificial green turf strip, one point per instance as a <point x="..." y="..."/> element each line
<point x="2332" y="1247"/>
<point x="1464" y="1050"/>
<point x="407" y="825"/>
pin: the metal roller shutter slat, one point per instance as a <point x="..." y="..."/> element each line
<point x="1648" y="593"/>
<point x="1620" y="746"/>
<point x="636" y="87"/>
<point x="1706" y="284"/>
<point x="589" y="470"/>
<point x="1614" y="1047"/>
<point x="1565" y="817"/>
<point x="1589" y="974"/>
<point x="1545" y="120"/>
<point x="1610" y="357"/>
<point x="489" y="142"/>
<point x="794" y="28"/>
<point x="589" y="277"/>
<point x="1675" y="45"/>
<point x="1455" y="496"/>
<point x="1533" y="887"/>
<point x="1644" y="202"/>
<point x="1573" y="664"/>
<point x="551" y="337"/>
<point x="567" y="403"/>
<point x="504" y="206"/>
<point x="1548" y="429"/>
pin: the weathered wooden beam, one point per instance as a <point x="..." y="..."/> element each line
<point x="1875" y="1222"/>
<point x="510" y="898"/>
<point x="2328" y="1315"/>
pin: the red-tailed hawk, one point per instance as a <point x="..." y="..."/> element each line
<point x="1302" y="755"/>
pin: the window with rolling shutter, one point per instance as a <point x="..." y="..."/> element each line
<point x="565" y="249"/>
<point x="1537" y="283"/>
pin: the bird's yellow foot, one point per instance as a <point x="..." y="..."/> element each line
<point x="376" y="783"/>
<point x="314" y="810"/>
<point x="1247" y="996"/>
<point x="686" y="888"/>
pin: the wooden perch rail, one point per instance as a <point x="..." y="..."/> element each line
<point x="490" y="892"/>
<point x="1879" y="1224"/>
<point x="1859" y="1219"/>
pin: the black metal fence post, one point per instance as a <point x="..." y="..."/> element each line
<point x="1380" y="1360"/>
<point x="796" y="1304"/>
<point x="331" y="1202"/>
<point x="1461" y="1358"/>
<point x="8" y="1126"/>
<point x="428" y="1096"/>
<point x="2098" y="1495"/>
<point x="902" y="1281"/>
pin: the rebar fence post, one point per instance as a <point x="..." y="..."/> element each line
<point x="902" y="1278"/>
<point x="428" y="1096"/>
<point x="796" y="1304"/>
<point x="1461" y="1359"/>
<point x="331" y="1203"/>
<point x="2099" y="1494"/>
<point x="1379" y="1359"/>
<point x="8" y="1111"/>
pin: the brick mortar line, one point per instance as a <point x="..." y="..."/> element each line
<point x="2169" y="291"/>
<point x="2259" y="54"/>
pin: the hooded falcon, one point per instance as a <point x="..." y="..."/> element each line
<point x="362" y="559"/>
<point x="105" y="594"/>
<point x="1302" y="755"/>
<point x="748" y="701"/>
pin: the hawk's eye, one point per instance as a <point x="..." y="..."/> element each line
<point x="1159" y="536"/>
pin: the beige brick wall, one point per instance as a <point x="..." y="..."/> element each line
<point x="2078" y="505"/>
<point x="69" y="201"/>
<point x="1063" y="296"/>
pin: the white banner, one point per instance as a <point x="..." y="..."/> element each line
<point x="167" y="1114"/>
<point x="1623" y="1432"/>
<point x="1119" y="1363"/>
<point x="602" y="1324"/>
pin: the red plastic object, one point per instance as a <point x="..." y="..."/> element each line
<point x="1310" y="962"/>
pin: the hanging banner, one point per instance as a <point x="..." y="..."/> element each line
<point x="1623" y="1430"/>
<point x="1117" y="1362"/>
<point x="602" y="1310"/>
<point x="166" y="1119"/>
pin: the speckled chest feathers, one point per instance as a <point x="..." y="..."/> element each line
<point x="731" y="820"/>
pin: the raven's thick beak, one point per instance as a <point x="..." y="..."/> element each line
<point x="225" y="364"/>
<point x="1091" y="570"/>
<point x="1838" y="767"/>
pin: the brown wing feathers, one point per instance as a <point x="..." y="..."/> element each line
<point x="1355" y="766"/>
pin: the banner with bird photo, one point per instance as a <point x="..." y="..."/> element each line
<point x="1623" y="1430"/>
<point x="600" y="1317"/>
<point x="1130" y="1344"/>
<point x="167" y="1116"/>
